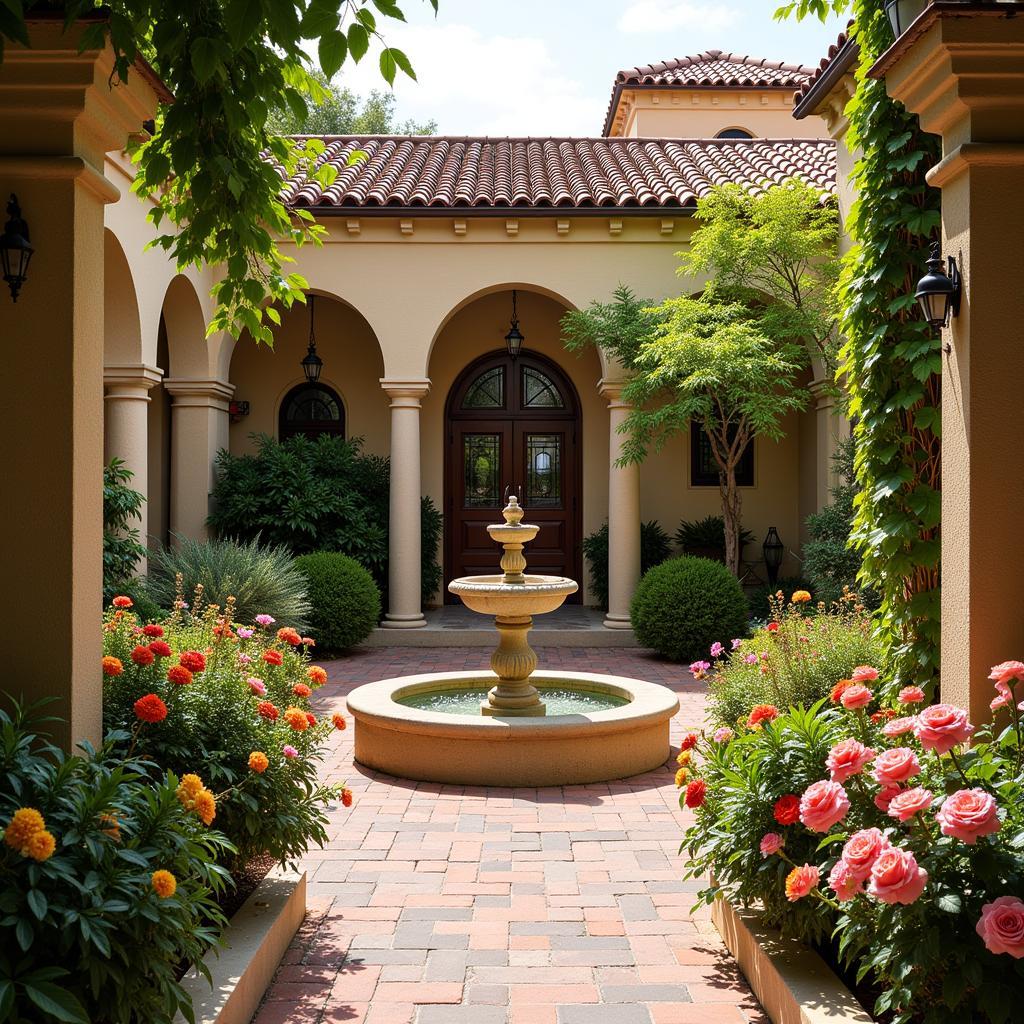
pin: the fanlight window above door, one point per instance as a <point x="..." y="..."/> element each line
<point x="487" y="391"/>
<point x="540" y="391"/>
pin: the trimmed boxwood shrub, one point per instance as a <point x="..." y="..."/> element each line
<point x="345" y="601"/>
<point x="684" y="605"/>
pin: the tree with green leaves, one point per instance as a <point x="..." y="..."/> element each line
<point x="205" y="167"/>
<point x="343" y="112"/>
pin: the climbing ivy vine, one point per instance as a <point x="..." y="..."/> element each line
<point x="891" y="360"/>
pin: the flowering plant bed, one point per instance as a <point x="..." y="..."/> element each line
<point x="866" y="818"/>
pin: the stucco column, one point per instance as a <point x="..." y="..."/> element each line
<point x="830" y="427"/>
<point x="963" y="75"/>
<point x="199" y="430"/>
<point x="623" y="514"/>
<point x="404" y="566"/>
<point x="59" y="114"/>
<point x="126" y="428"/>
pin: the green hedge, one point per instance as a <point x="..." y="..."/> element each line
<point x="345" y="600"/>
<point x="655" y="547"/>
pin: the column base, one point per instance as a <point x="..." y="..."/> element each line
<point x="403" y="622"/>
<point x="617" y="622"/>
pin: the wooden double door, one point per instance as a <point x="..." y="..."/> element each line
<point x="512" y="427"/>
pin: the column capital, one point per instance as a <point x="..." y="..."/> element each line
<point x="131" y="381"/>
<point x="405" y="392"/>
<point x="611" y="389"/>
<point x="823" y="392"/>
<point x="194" y="392"/>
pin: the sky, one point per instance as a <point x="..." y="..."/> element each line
<point x="546" y="67"/>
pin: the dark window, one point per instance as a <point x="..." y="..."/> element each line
<point x="540" y="391"/>
<point x="734" y="133"/>
<point x="487" y="391"/>
<point x="311" y="409"/>
<point x="704" y="469"/>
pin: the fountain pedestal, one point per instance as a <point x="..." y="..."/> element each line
<point x="513" y="662"/>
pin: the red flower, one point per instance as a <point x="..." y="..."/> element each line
<point x="339" y="722"/>
<point x="179" y="675"/>
<point x="112" y="666"/>
<point x="150" y="708"/>
<point x="267" y="710"/>
<point x="773" y="627"/>
<point x="122" y="602"/>
<point x="301" y="690"/>
<point x="346" y="797"/>
<point x="273" y="657"/>
<point x="194" y="661"/>
<point x="289" y="636"/>
<point x="153" y="630"/>
<point x="311" y="718"/>
<point x="695" y="793"/>
<point x="143" y="656"/>
<point x="787" y="809"/>
<point x="689" y="741"/>
<point x="160" y="649"/>
<point x="762" y="713"/>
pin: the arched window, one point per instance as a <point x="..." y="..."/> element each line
<point x="311" y="409"/>
<point x="734" y="133"/>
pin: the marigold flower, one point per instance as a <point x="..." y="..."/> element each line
<point x="684" y="757"/>
<point x="301" y="690"/>
<point x="762" y="713"/>
<point x="150" y="709"/>
<point x="153" y="630"/>
<point x="164" y="884"/>
<point x="24" y="824"/>
<point x="800" y="882"/>
<point x="160" y="649"/>
<point x="40" y="846"/>
<point x="267" y="710"/>
<point x="690" y="740"/>
<point x="296" y="718"/>
<point x="772" y="627"/>
<point x="287" y="635"/>
<point x="800" y="597"/>
<point x="273" y="657"/>
<point x="122" y="602"/>
<point x="189" y="786"/>
<point x="258" y="762"/>
<point x="787" y="809"/>
<point x="205" y="806"/>
<point x="681" y="775"/>
<point x="346" y="797"/>
<point x="339" y="722"/>
<point x="112" y="666"/>
<point x="316" y="675"/>
<point x="194" y="661"/>
<point x="142" y="656"/>
<point x="695" y="793"/>
<point x="179" y="675"/>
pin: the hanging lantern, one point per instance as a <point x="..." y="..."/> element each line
<point x="774" y="552"/>
<point x="514" y="339"/>
<point x="15" y="248"/>
<point x="312" y="364"/>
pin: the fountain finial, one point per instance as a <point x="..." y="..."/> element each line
<point x="513" y="512"/>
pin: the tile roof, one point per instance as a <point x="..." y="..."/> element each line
<point x="493" y="175"/>
<point x="842" y="46"/>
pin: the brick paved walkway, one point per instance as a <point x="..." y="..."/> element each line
<point x="450" y="905"/>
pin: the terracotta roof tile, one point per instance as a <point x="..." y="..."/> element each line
<point x="481" y="175"/>
<point x="823" y="65"/>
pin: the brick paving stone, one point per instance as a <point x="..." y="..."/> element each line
<point x="438" y="904"/>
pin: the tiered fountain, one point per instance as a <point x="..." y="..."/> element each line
<point x="510" y="727"/>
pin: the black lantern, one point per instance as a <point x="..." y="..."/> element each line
<point x="938" y="291"/>
<point x="514" y="339"/>
<point x="902" y="12"/>
<point x="15" y="250"/>
<point x="312" y="364"/>
<point x="774" y="551"/>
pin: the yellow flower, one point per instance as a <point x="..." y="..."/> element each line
<point x="205" y="806"/>
<point x="190" y="784"/>
<point x="164" y="884"/>
<point x="258" y="762"/>
<point x="40" y="846"/>
<point x="800" y="597"/>
<point x="683" y="758"/>
<point x="24" y="824"/>
<point x="681" y="776"/>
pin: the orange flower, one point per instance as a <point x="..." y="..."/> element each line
<point x="690" y="740"/>
<point x="267" y="710"/>
<point x="339" y="722"/>
<point x="150" y="708"/>
<point x="24" y="824"/>
<point x="296" y="718"/>
<point x="308" y="641"/>
<point x="301" y="690"/>
<point x="205" y="806"/>
<point x="112" y="666"/>
<point x="143" y="656"/>
<point x="189" y="786"/>
<point x="287" y="635"/>
<point x="681" y="777"/>
<point x="800" y="597"/>
<point x="122" y="602"/>
<point x="258" y="762"/>
<point x="179" y="675"/>
<point x="346" y="796"/>
<point x="164" y="884"/>
<point x="153" y="630"/>
<point x="194" y="661"/>
<point x="40" y="846"/>
<point x="762" y="713"/>
<point x="837" y="690"/>
<point x="273" y="657"/>
<point x="113" y="826"/>
<point x="316" y="675"/>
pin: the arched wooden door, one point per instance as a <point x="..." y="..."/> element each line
<point x="513" y="425"/>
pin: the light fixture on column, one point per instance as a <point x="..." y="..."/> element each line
<point x="312" y="364"/>
<point x="774" y="551"/>
<point x="938" y="291"/>
<point x="15" y="249"/>
<point x="902" y="12"/>
<point x="514" y="339"/>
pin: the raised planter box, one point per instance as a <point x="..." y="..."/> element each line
<point x="254" y="944"/>
<point x="792" y="983"/>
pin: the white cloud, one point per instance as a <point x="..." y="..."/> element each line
<point x="656" y="16"/>
<point x="476" y="84"/>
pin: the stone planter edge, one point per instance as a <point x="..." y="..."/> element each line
<point x="253" y="944"/>
<point x="792" y="983"/>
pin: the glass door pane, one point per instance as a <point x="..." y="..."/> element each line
<point x="543" y="471"/>
<point x="481" y="460"/>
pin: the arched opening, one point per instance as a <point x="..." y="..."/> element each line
<point x="311" y="410"/>
<point x="513" y="426"/>
<point x="734" y="133"/>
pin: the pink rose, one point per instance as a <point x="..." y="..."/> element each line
<point x="862" y="849"/>
<point x="897" y="727"/>
<point x="771" y="843"/>
<point x="967" y="814"/>
<point x="864" y="674"/>
<point x="289" y="751"/>
<point x="885" y="797"/>
<point x="941" y="727"/>
<point x="1008" y="671"/>
<point x="848" y="758"/>
<point x="911" y="695"/>
<point x="822" y="805"/>
<point x="844" y="882"/>
<point x="1001" y="926"/>
<point x="723" y="734"/>
<point x="896" y="877"/>
<point x="1004" y="697"/>
<point x="801" y="881"/>
<point x="909" y="802"/>
<point x="855" y="697"/>
<point x="895" y="766"/>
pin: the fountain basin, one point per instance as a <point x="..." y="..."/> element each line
<point x="556" y="750"/>
<point x="491" y="595"/>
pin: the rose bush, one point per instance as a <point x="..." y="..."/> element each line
<point x="200" y="693"/>
<point x="868" y="821"/>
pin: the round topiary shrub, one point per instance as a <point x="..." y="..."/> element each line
<point x="684" y="605"/>
<point x="344" y="600"/>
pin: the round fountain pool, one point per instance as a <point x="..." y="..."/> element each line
<point x="429" y="728"/>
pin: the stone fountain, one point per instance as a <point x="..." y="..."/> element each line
<point x="514" y="725"/>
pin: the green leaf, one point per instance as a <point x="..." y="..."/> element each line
<point x="388" y="67"/>
<point x="37" y="903"/>
<point x="332" y="51"/>
<point x="205" y="58"/>
<point x="358" y="41"/>
<point x="402" y="61"/>
<point x="57" y="1002"/>
<point x="241" y="19"/>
